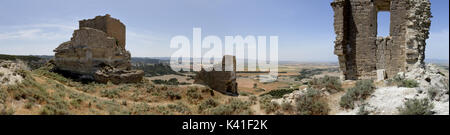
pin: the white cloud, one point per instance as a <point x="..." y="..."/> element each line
<point x="35" y="32"/>
<point x="36" y="39"/>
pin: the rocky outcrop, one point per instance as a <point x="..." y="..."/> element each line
<point x="223" y="80"/>
<point x="429" y="78"/>
<point x="116" y="76"/>
<point x="387" y="100"/>
<point x="361" y="53"/>
<point x="10" y="72"/>
<point x="291" y="97"/>
<point x="99" y="42"/>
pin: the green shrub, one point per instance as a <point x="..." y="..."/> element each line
<point x="54" y="109"/>
<point x="416" y="107"/>
<point x="7" y="111"/>
<point x="172" y="81"/>
<point x="267" y="104"/>
<point x="253" y="99"/>
<point x="2" y="74"/>
<point x="29" y="105"/>
<point x="222" y="110"/>
<point x="208" y="90"/>
<point x="409" y="83"/>
<point x="44" y="71"/>
<point x="114" y="93"/>
<point x="87" y="88"/>
<point x="207" y="104"/>
<point x="363" y="110"/>
<point x="279" y="93"/>
<point x="173" y="95"/>
<point x="193" y="94"/>
<point x="271" y="107"/>
<point x="311" y="104"/>
<point x="163" y="110"/>
<point x="362" y="90"/>
<point x="330" y="83"/>
<point x="3" y="95"/>
<point x="232" y="107"/>
<point x="402" y="82"/>
<point x="76" y="102"/>
<point x="265" y="99"/>
<point x="140" y="109"/>
<point x="23" y="73"/>
<point x="26" y="92"/>
<point x="180" y="108"/>
<point x="347" y="100"/>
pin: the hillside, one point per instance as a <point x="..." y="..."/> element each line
<point x="300" y="89"/>
<point x="44" y="92"/>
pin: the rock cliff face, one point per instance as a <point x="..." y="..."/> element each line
<point x="99" y="42"/>
<point x="363" y="55"/>
<point x="224" y="80"/>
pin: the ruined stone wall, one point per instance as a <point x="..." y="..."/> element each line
<point x="417" y="31"/>
<point x="90" y="50"/>
<point x="112" y="27"/>
<point x="223" y="80"/>
<point x="361" y="53"/>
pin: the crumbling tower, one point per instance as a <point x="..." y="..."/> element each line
<point x="363" y="55"/>
<point x="97" y="52"/>
<point x="223" y="80"/>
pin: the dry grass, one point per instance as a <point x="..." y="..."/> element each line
<point x="48" y="93"/>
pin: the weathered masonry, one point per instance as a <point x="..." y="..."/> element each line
<point x="363" y="55"/>
<point x="97" y="52"/>
<point x="223" y="80"/>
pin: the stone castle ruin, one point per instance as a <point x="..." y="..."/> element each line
<point x="97" y="51"/>
<point x="363" y="55"/>
<point x="223" y="80"/>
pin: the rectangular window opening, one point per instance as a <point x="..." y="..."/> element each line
<point x="384" y="23"/>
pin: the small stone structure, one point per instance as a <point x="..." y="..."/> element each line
<point x="362" y="54"/>
<point x="99" y="43"/>
<point x="223" y="81"/>
<point x="112" y="27"/>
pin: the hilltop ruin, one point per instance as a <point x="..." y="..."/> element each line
<point x="97" y="51"/>
<point x="363" y="55"/>
<point x="223" y="80"/>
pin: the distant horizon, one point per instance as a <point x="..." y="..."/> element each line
<point x="282" y="60"/>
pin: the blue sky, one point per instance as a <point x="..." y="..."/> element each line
<point x="304" y="27"/>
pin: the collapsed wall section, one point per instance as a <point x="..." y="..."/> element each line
<point x="224" y="80"/>
<point x="97" y="52"/>
<point x="361" y="53"/>
<point x="111" y="26"/>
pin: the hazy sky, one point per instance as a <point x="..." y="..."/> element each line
<point x="304" y="27"/>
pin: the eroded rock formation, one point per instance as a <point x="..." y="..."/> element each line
<point x="223" y="80"/>
<point x="363" y="55"/>
<point x="99" y="43"/>
<point x="108" y="73"/>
